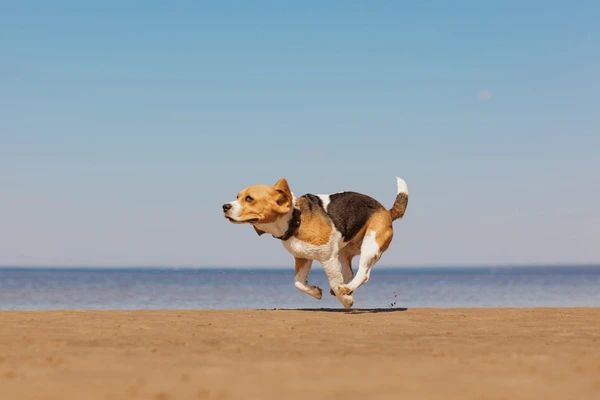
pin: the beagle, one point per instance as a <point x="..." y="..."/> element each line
<point x="331" y="229"/>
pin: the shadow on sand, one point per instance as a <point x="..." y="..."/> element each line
<point x="341" y="310"/>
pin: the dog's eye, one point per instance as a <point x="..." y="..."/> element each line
<point x="249" y="199"/>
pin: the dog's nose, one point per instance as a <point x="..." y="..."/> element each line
<point x="226" y="207"/>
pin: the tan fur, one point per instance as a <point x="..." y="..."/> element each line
<point x="315" y="227"/>
<point x="299" y="262"/>
<point x="381" y="223"/>
<point x="269" y="202"/>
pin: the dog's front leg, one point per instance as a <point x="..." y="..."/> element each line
<point x="301" y="279"/>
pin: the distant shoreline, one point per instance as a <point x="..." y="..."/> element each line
<point x="245" y="288"/>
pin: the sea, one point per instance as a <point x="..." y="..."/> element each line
<point x="242" y="288"/>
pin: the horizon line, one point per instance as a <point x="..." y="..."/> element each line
<point x="263" y="267"/>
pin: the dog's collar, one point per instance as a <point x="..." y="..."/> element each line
<point x="292" y="227"/>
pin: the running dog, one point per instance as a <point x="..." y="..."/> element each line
<point x="331" y="229"/>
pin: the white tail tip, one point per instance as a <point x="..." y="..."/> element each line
<point x="402" y="186"/>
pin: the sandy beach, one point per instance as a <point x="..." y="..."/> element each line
<point x="295" y="354"/>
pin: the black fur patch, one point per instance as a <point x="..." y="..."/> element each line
<point x="313" y="202"/>
<point x="350" y="211"/>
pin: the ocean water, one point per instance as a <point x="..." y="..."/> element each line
<point x="153" y="288"/>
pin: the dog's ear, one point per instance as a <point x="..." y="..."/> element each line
<point x="284" y="190"/>
<point x="258" y="231"/>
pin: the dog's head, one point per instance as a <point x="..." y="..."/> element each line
<point x="260" y="204"/>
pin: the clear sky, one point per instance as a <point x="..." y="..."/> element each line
<point x="124" y="127"/>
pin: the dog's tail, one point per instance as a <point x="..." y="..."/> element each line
<point x="399" y="207"/>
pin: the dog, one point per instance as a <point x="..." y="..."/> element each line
<point x="331" y="229"/>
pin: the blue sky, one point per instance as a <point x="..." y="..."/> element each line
<point x="124" y="127"/>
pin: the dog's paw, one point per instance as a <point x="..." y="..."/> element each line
<point x="344" y="290"/>
<point x="347" y="301"/>
<point x="317" y="293"/>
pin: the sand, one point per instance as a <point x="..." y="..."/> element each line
<point x="411" y="354"/>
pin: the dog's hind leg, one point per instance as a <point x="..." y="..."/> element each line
<point x="377" y="238"/>
<point x="301" y="279"/>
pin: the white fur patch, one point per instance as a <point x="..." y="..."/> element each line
<point x="402" y="186"/>
<point x="278" y="227"/>
<point x="369" y="246"/>
<point x="321" y="253"/>
<point x="235" y="210"/>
